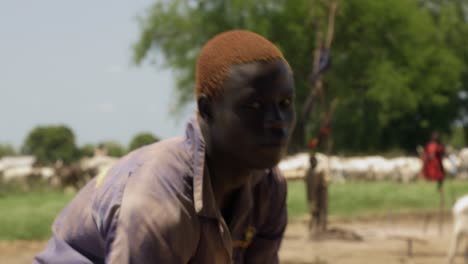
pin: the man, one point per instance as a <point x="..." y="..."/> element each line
<point x="316" y="184"/>
<point x="213" y="196"/>
<point x="432" y="161"/>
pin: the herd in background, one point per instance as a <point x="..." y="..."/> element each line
<point x="23" y="169"/>
<point x="338" y="169"/>
<point x="378" y="168"/>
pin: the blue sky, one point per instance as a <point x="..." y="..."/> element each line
<point x="69" y="62"/>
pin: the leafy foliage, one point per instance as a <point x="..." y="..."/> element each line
<point x="142" y="139"/>
<point x="404" y="78"/>
<point x="398" y="66"/>
<point x="6" y="150"/>
<point x="114" y="149"/>
<point x="50" y="144"/>
<point x="87" y="150"/>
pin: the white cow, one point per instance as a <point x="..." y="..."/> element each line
<point x="407" y="168"/>
<point x="463" y="163"/>
<point x="18" y="167"/>
<point x="460" y="226"/>
<point x="295" y="167"/>
<point x="17" y="173"/>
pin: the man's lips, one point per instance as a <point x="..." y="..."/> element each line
<point x="275" y="143"/>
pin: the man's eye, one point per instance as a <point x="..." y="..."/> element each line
<point x="285" y="102"/>
<point x="254" y="105"/>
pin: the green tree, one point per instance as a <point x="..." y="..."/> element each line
<point x="87" y="150"/>
<point x="452" y="17"/>
<point x="6" y="150"/>
<point x="404" y="78"/>
<point x="142" y="139"/>
<point x="51" y="143"/>
<point x="114" y="149"/>
<point x="394" y="71"/>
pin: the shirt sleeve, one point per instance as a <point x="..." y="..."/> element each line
<point x="151" y="228"/>
<point x="442" y="150"/>
<point x="267" y="240"/>
<point x="58" y="251"/>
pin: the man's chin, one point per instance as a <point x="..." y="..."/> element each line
<point x="267" y="160"/>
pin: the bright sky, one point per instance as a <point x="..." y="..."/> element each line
<point x="69" y="62"/>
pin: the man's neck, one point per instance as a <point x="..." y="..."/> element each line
<point x="225" y="178"/>
<point x="226" y="175"/>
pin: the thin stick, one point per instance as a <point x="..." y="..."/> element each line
<point x="441" y="209"/>
<point x="331" y="24"/>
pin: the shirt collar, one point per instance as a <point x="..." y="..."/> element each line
<point x="203" y="195"/>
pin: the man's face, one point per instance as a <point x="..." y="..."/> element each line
<point x="254" y="116"/>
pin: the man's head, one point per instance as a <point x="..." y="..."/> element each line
<point x="245" y="93"/>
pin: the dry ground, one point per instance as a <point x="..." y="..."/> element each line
<point x="379" y="245"/>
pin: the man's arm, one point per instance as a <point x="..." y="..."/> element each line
<point x="149" y="229"/>
<point x="267" y="241"/>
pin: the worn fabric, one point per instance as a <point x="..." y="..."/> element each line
<point x="156" y="205"/>
<point x="432" y="161"/>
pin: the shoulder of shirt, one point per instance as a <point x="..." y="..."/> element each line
<point x="166" y="162"/>
<point x="274" y="180"/>
<point x="168" y="159"/>
<point x="157" y="172"/>
<point x="164" y="179"/>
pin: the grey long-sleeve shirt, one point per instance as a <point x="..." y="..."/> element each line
<point x="156" y="205"/>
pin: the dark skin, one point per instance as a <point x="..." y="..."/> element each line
<point x="247" y="127"/>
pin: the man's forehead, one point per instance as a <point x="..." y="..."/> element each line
<point x="244" y="72"/>
<point x="249" y="71"/>
<point x="256" y="78"/>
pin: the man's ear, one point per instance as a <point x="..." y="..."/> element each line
<point x="205" y="107"/>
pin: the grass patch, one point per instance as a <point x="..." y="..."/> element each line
<point x="30" y="215"/>
<point x="371" y="198"/>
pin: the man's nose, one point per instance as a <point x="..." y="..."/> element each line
<point x="274" y="118"/>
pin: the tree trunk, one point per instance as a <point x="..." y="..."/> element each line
<point x="465" y="134"/>
<point x="317" y="199"/>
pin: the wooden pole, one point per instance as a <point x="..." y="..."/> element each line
<point x="319" y="219"/>
<point x="441" y="209"/>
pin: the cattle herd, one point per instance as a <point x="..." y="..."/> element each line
<point x="377" y="168"/>
<point x="337" y="168"/>
<point x="23" y="169"/>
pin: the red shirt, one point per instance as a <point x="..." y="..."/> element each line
<point x="432" y="161"/>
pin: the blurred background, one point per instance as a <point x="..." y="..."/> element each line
<point x="85" y="82"/>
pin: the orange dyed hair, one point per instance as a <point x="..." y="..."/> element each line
<point x="226" y="49"/>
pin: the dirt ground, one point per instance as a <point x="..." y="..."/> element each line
<point x="381" y="243"/>
<point x="384" y="242"/>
